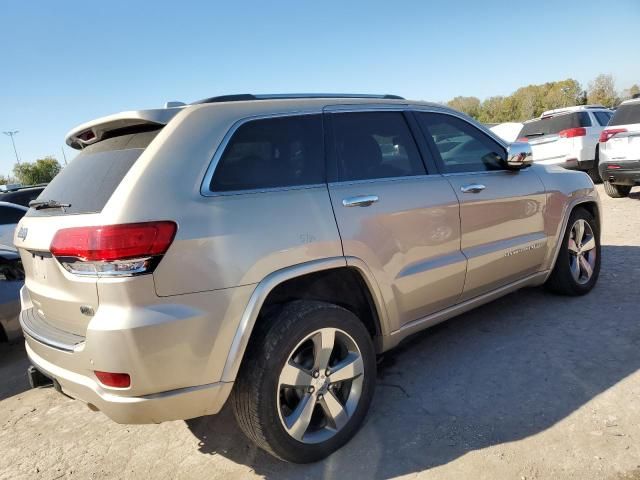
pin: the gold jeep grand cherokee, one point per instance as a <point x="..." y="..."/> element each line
<point x="262" y="249"/>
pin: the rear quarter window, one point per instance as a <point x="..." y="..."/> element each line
<point x="272" y="153"/>
<point x="626" y="114"/>
<point x="92" y="176"/>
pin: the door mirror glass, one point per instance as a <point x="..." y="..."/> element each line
<point x="519" y="155"/>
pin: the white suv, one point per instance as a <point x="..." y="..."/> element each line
<point x="568" y="137"/>
<point x="620" y="150"/>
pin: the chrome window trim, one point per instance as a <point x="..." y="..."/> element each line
<point x="205" y="191"/>
<point x="367" y="181"/>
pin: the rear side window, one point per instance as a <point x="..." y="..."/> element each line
<point x="555" y="124"/>
<point x="90" y="179"/>
<point x="603" y="118"/>
<point x="271" y="153"/>
<point x="462" y="147"/>
<point x="373" y="145"/>
<point x="626" y="114"/>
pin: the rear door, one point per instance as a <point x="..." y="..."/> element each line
<point x="501" y="211"/>
<point x="401" y="220"/>
<point x="86" y="184"/>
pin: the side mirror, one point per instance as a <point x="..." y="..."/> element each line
<point x="519" y="155"/>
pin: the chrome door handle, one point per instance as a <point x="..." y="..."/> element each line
<point x="472" y="188"/>
<point x="360" y="201"/>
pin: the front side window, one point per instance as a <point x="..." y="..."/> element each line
<point x="272" y="153"/>
<point x="374" y="145"/>
<point x="462" y="147"/>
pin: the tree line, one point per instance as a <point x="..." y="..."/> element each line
<point x="530" y="101"/>
<point x="31" y="173"/>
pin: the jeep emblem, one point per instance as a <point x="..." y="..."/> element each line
<point x="22" y="233"/>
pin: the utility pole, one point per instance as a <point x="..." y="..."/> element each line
<point x="11" y="134"/>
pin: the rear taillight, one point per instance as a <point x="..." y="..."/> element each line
<point x="113" y="250"/>
<point x="608" y="133"/>
<point x="115" y="380"/>
<point x="572" y="132"/>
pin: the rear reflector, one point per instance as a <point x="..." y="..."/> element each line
<point x="116" y="380"/>
<point x="522" y="139"/>
<point x="573" y="132"/>
<point x="114" y="242"/>
<point x="613" y="167"/>
<point x="608" y="133"/>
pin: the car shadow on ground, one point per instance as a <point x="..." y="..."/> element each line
<point x="500" y="373"/>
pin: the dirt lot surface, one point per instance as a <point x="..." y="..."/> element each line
<point x="531" y="386"/>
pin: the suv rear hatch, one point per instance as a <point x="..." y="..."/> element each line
<point x="61" y="300"/>
<point x="552" y="137"/>
<point x="621" y="138"/>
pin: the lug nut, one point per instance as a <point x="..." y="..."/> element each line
<point x="311" y="389"/>
<point x="316" y="374"/>
<point x="327" y="372"/>
<point x="320" y="397"/>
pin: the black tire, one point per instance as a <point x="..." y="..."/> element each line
<point x="616" y="191"/>
<point x="593" y="172"/>
<point x="561" y="281"/>
<point x="256" y="389"/>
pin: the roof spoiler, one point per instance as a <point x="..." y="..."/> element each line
<point x="93" y="131"/>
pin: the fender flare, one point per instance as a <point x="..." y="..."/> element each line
<point x="266" y="285"/>
<point x="569" y="207"/>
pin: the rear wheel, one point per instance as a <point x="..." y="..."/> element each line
<point x="307" y="381"/>
<point x="616" y="191"/>
<point x="578" y="264"/>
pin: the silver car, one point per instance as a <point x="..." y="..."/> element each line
<point x="263" y="249"/>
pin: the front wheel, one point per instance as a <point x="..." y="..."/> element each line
<point x="578" y="264"/>
<point x="307" y="381"/>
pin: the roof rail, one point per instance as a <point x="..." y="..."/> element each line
<point x="574" y="108"/>
<point x="290" y="96"/>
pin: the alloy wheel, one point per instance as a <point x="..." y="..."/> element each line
<point x="582" y="251"/>
<point x="320" y="385"/>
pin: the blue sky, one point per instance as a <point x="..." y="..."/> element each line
<point x="63" y="63"/>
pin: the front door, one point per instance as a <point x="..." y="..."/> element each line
<point x="501" y="211"/>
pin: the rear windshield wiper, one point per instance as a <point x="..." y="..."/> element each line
<point x="42" y="204"/>
<point x="537" y="134"/>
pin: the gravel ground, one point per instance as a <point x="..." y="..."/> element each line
<point x="531" y="386"/>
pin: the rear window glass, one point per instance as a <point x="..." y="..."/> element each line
<point x="626" y="114"/>
<point x="90" y="179"/>
<point x="603" y="118"/>
<point x="555" y="124"/>
<point x="271" y="153"/>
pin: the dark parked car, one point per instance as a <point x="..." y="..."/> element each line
<point x="22" y="195"/>
<point x="11" y="281"/>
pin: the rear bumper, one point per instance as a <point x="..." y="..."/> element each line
<point x="176" y="404"/>
<point x="628" y="172"/>
<point x="571" y="163"/>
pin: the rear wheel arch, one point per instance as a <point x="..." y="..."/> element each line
<point x="329" y="281"/>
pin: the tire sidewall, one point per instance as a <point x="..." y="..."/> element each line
<point x="278" y="350"/>
<point x="563" y="257"/>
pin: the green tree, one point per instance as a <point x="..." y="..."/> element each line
<point x="602" y="91"/>
<point x="6" y="179"/>
<point x="631" y="92"/>
<point x="468" y="105"/>
<point x="41" y="171"/>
